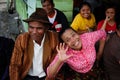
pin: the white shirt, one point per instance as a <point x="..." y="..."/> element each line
<point x="37" y="65"/>
<point x="53" y="18"/>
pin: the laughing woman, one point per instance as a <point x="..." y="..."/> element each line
<point x="77" y="51"/>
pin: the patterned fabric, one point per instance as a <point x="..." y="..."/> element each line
<point x="80" y="23"/>
<point x="83" y="60"/>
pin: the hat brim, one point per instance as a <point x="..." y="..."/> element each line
<point x="42" y="21"/>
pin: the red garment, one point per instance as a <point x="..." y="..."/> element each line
<point x="108" y="28"/>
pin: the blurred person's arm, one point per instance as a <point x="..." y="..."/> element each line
<point x="57" y="63"/>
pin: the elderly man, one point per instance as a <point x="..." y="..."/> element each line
<point x="33" y="50"/>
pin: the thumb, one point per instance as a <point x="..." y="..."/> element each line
<point x="70" y="55"/>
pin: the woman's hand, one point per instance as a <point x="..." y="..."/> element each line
<point x="107" y="18"/>
<point x="104" y="24"/>
<point x="61" y="49"/>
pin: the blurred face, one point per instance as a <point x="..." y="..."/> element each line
<point x="72" y="39"/>
<point x="85" y="11"/>
<point x="110" y="12"/>
<point x="36" y="30"/>
<point x="48" y="7"/>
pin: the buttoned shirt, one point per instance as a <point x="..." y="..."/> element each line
<point x="37" y="65"/>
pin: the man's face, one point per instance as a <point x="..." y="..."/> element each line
<point x="48" y="7"/>
<point x="36" y="30"/>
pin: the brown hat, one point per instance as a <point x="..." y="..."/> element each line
<point x="39" y="15"/>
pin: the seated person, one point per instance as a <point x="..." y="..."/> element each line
<point x="79" y="52"/>
<point x="111" y="24"/>
<point x="33" y="50"/>
<point x="84" y="21"/>
<point x="55" y="16"/>
<point x="110" y="27"/>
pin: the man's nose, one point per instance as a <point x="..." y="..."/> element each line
<point x="34" y="30"/>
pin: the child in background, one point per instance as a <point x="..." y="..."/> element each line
<point x="110" y="12"/>
<point x="85" y="20"/>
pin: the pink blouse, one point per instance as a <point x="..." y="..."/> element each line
<point x="82" y="61"/>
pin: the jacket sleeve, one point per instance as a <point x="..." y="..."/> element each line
<point x="16" y="62"/>
<point x="54" y="42"/>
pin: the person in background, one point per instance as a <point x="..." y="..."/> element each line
<point x="111" y="24"/>
<point x="110" y="27"/>
<point x="111" y="55"/>
<point x="33" y="50"/>
<point x="55" y="16"/>
<point x="6" y="48"/>
<point x="79" y="52"/>
<point x="84" y="21"/>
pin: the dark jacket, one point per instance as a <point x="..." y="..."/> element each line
<point x="60" y="19"/>
<point x="6" y="47"/>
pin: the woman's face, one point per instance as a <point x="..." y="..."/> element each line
<point x="72" y="39"/>
<point x="85" y="11"/>
<point x="110" y="12"/>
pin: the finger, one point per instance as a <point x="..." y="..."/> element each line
<point x="57" y="48"/>
<point x="108" y="18"/>
<point x="66" y="48"/>
<point x="69" y="55"/>
<point x="60" y="46"/>
<point x="63" y="45"/>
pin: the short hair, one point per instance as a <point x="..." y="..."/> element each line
<point x="51" y="1"/>
<point x="62" y="32"/>
<point x="85" y="3"/>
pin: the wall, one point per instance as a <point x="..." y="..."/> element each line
<point x="8" y="22"/>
